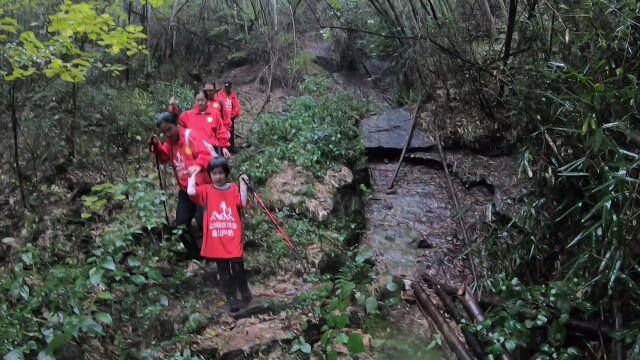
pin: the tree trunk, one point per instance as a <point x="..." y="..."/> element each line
<point x="126" y="71"/>
<point x="16" y="150"/>
<point x="511" y="24"/>
<point x="491" y="23"/>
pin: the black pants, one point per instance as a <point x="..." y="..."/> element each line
<point x="232" y="134"/>
<point x="233" y="278"/>
<point x="185" y="212"/>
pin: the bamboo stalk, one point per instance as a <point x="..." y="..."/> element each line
<point x="471" y="340"/>
<point x="406" y="144"/>
<point x="618" y="346"/>
<point x="511" y="21"/>
<point x="477" y="315"/>
<point x="454" y="197"/>
<point x="427" y="306"/>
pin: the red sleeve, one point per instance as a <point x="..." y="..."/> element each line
<point x="163" y="151"/>
<point x="222" y="133"/>
<point x="235" y="105"/>
<point x="226" y="115"/>
<point x="201" y="155"/>
<point x="174" y="108"/>
<point x="184" y="119"/>
<point x="200" y="197"/>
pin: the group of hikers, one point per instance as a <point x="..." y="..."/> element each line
<point x="197" y="143"/>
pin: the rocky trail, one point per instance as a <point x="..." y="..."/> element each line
<point x="409" y="231"/>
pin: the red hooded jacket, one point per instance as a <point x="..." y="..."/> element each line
<point x="230" y="102"/>
<point x="213" y="104"/>
<point x="209" y="124"/>
<point x="182" y="156"/>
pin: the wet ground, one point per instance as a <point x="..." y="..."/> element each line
<point x="414" y="229"/>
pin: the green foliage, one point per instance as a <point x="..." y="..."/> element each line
<point x="114" y="288"/>
<point x="579" y="218"/>
<point x="337" y="305"/>
<point x="272" y="248"/>
<point x="162" y="92"/>
<point x="185" y="355"/>
<point x="110" y="122"/>
<point x="533" y="315"/>
<point x="126" y="124"/>
<point x="75" y="40"/>
<point x="311" y="131"/>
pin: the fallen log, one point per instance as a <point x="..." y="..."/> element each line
<point x="477" y="315"/>
<point x="471" y="340"/>
<point x="450" y="337"/>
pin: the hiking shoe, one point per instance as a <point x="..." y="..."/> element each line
<point x="246" y="298"/>
<point x="234" y="306"/>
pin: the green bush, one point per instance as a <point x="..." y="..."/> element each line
<point x="313" y="132"/>
<point x="109" y="122"/>
<point x="161" y="92"/>
<point x="112" y="290"/>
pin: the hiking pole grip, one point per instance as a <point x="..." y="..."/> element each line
<point x="249" y="187"/>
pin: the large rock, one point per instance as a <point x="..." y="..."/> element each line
<point x="388" y="132"/>
<point x="296" y="188"/>
<point x="238" y="59"/>
<point x="324" y="56"/>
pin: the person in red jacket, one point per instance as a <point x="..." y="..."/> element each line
<point x="222" y="234"/>
<point x="210" y="91"/>
<point x="183" y="149"/>
<point x="207" y="122"/>
<point x="229" y="100"/>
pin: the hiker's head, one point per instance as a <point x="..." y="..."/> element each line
<point x="210" y="88"/>
<point x="219" y="170"/>
<point x="201" y="100"/>
<point x="167" y="123"/>
<point x="227" y="87"/>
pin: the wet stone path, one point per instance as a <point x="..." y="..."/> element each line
<point x="416" y="215"/>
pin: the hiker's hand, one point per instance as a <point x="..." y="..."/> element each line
<point x="194" y="169"/>
<point x="172" y="101"/>
<point x="244" y="179"/>
<point x="226" y="153"/>
<point x="155" y="140"/>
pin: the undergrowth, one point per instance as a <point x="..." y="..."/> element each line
<point x="572" y="250"/>
<point x="313" y="131"/>
<point x="67" y="299"/>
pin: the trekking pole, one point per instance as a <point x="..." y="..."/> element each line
<point x="273" y="220"/>
<point x="164" y="203"/>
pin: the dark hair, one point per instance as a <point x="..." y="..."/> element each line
<point x="218" y="162"/>
<point x="200" y="91"/>
<point x="166" y="117"/>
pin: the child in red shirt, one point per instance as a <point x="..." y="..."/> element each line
<point x="222" y="230"/>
